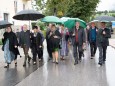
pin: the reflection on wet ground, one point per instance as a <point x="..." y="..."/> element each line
<point x="86" y="73"/>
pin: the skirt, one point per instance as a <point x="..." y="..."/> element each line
<point x="8" y="55"/>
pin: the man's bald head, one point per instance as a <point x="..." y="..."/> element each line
<point x="25" y="27"/>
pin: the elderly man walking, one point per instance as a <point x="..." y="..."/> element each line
<point x="24" y="42"/>
<point x="78" y="40"/>
<point x="102" y="42"/>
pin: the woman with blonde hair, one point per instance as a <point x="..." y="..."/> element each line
<point x="54" y="36"/>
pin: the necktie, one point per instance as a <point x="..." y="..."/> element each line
<point x="76" y="35"/>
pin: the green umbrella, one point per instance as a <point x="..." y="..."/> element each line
<point x="51" y="19"/>
<point x="70" y="23"/>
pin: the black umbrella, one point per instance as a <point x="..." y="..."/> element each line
<point x="28" y="15"/>
<point x="105" y="18"/>
<point x="4" y="24"/>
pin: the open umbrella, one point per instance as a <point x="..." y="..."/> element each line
<point x="51" y="19"/>
<point x="65" y="18"/>
<point x="105" y="18"/>
<point x="28" y="15"/>
<point x="70" y="23"/>
<point x="4" y="24"/>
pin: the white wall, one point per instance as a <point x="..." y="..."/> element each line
<point x="7" y="6"/>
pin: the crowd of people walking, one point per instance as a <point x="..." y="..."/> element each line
<point x="58" y="40"/>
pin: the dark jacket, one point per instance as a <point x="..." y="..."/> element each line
<point x="54" y="41"/>
<point x="18" y="34"/>
<point x="36" y="41"/>
<point x="12" y="41"/>
<point x="90" y="35"/>
<point x="47" y="33"/>
<point x="87" y="34"/>
<point x="81" y="36"/>
<point x="24" y="37"/>
<point x="102" y="40"/>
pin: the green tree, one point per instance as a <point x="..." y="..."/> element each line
<point x="113" y="15"/>
<point x="41" y="4"/>
<point x="105" y="12"/>
<point x="54" y="7"/>
<point x="82" y="9"/>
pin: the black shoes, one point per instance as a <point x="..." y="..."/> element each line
<point x="62" y="58"/>
<point x="56" y="62"/>
<point x="100" y="64"/>
<point x="24" y="64"/>
<point x="76" y="62"/>
<point x="29" y="58"/>
<point x="16" y="64"/>
<point x="92" y="56"/>
<point x="6" y="66"/>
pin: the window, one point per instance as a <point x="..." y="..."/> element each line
<point x="6" y="16"/>
<point x="15" y="6"/>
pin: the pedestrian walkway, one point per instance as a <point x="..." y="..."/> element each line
<point x="112" y="42"/>
<point x="86" y="73"/>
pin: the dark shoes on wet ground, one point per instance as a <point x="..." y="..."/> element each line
<point x="62" y="58"/>
<point x="7" y="66"/>
<point x="15" y="63"/>
<point x="100" y="64"/>
<point x="92" y="56"/>
<point x="29" y="59"/>
<point x="76" y="62"/>
<point x="24" y="64"/>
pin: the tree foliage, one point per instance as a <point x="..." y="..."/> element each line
<point x="73" y="8"/>
<point x="82" y="9"/>
<point x="51" y="7"/>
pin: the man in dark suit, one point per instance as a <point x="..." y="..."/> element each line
<point x="78" y="40"/>
<point x="102" y="42"/>
<point x="24" y="42"/>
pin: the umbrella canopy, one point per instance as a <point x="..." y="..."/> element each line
<point x="105" y="18"/>
<point x="70" y="23"/>
<point x="65" y="18"/>
<point x="51" y="19"/>
<point x="28" y="15"/>
<point x="4" y="24"/>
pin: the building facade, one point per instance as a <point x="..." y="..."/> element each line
<point x="8" y="8"/>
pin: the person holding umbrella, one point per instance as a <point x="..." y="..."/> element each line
<point x="102" y="42"/>
<point x="9" y="46"/>
<point x="54" y="37"/>
<point x="24" y="42"/>
<point x="78" y="40"/>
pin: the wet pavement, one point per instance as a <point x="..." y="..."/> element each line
<point x="86" y="73"/>
<point x="112" y="42"/>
